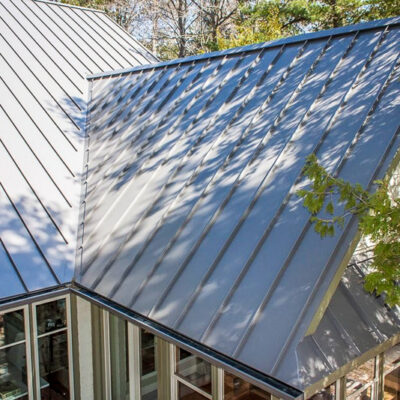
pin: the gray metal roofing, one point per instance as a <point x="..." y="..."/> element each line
<point x="46" y="50"/>
<point x="190" y="215"/>
<point x="354" y="323"/>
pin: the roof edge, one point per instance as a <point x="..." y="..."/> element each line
<point x="346" y="368"/>
<point x="31" y="297"/>
<point x="273" y="385"/>
<point x="253" y="47"/>
<point x="57" y="3"/>
<point x="394" y="166"/>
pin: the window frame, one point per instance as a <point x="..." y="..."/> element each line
<point x="27" y="340"/>
<point x="176" y="378"/>
<point x="37" y="336"/>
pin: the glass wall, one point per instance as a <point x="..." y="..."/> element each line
<point x="193" y="376"/>
<point x="13" y="364"/>
<point x="236" y="388"/>
<point x="328" y="393"/>
<point x="52" y="350"/>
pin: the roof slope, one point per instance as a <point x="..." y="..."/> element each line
<point x="191" y="217"/>
<point x="354" y="323"/>
<point x="46" y="50"/>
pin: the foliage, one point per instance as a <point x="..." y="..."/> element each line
<point x="178" y="28"/>
<point x="263" y="20"/>
<point x="379" y="218"/>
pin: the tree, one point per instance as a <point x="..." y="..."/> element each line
<point x="379" y="219"/>
<point x="265" y="20"/>
<point x="213" y="16"/>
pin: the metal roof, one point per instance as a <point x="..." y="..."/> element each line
<point x="190" y="215"/>
<point x="354" y="323"/>
<point x="46" y="50"/>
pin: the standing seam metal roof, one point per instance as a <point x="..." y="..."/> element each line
<point x="46" y="51"/>
<point x="190" y="214"/>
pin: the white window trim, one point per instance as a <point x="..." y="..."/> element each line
<point x="69" y="342"/>
<point x="175" y="379"/>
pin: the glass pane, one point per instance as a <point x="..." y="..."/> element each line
<point x="53" y="366"/>
<point x="236" y="388"/>
<point x="119" y="358"/>
<point x="194" y="369"/>
<point x="186" y="393"/>
<point x="148" y="379"/>
<point x="12" y="327"/>
<point x="360" y="377"/>
<point x="392" y="385"/>
<point x="326" y="394"/>
<point x="51" y="316"/>
<point x="13" y="373"/>
<point x="392" y="357"/>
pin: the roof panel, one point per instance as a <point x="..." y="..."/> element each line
<point x="193" y="207"/>
<point x="21" y="246"/>
<point x="46" y="49"/>
<point x="11" y="283"/>
<point x="353" y="322"/>
<point x="141" y="54"/>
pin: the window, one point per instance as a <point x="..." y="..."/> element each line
<point x="236" y="388"/>
<point x="328" y="393"/>
<point x="148" y="365"/>
<point x="51" y="334"/>
<point x="13" y="349"/>
<point x="193" y="376"/>
<point x="119" y="358"/>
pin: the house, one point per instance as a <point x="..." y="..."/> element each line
<point x="197" y="274"/>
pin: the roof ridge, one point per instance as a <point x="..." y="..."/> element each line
<point x="253" y="47"/>
<point x="58" y="3"/>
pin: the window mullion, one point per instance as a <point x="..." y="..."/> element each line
<point x="193" y="387"/>
<point x="134" y="361"/>
<point x="217" y="383"/>
<point x="174" y="381"/>
<point x="107" y="354"/>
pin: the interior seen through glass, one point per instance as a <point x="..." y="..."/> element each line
<point x="51" y="316"/>
<point x="13" y="378"/>
<point x="148" y="365"/>
<point x="193" y="369"/>
<point x="236" y="388"/>
<point x="53" y="350"/>
<point x="13" y="372"/>
<point x="186" y="393"/>
<point x="12" y="327"/>
<point x="327" y="393"/>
